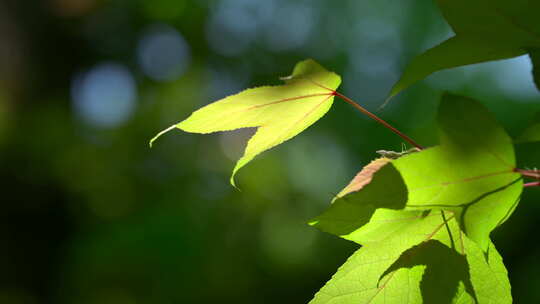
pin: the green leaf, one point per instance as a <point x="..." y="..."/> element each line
<point x="357" y="281"/>
<point x="429" y="261"/>
<point x="512" y="21"/>
<point x="371" y="214"/>
<point x="488" y="274"/>
<point x="279" y="112"/>
<point x="347" y="214"/>
<point x="532" y="132"/>
<point x="365" y="216"/>
<point x="485" y="30"/>
<point x="457" y="51"/>
<point x="470" y="173"/>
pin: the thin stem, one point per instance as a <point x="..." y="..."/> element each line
<point x="376" y="118"/>
<point x="535" y="174"/>
<point x="368" y="113"/>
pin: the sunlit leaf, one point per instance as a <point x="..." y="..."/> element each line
<point x="348" y="214"/>
<point x="279" y="112"/>
<point x="471" y="173"/>
<point x="429" y="261"/>
<point x="363" y="177"/>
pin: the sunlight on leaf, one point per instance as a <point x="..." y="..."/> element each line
<point x="470" y="173"/>
<point x="347" y="214"/>
<point x="279" y="112"/>
<point x="429" y="261"/>
<point x="363" y="177"/>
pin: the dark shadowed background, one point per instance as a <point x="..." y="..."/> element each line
<point x="90" y="214"/>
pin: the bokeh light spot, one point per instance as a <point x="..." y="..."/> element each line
<point x="162" y="53"/>
<point x="290" y="26"/>
<point x="104" y="96"/>
<point x="234" y="24"/>
<point x="307" y="156"/>
<point x="225" y="81"/>
<point x="373" y="59"/>
<point x="284" y="241"/>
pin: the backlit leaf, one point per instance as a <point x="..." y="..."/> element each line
<point x="430" y="261"/>
<point x="363" y="177"/>
<point x="278" y="112"/>
<point x="348" y="215"/>
<point x="471" y="174"/>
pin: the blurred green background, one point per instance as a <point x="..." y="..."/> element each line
<point x="91" y="215"/>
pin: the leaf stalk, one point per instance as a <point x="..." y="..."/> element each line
<point x="378" y="119"/>
<point x="534" y="174"/>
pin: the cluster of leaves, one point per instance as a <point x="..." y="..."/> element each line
<point x="423" y="219"/>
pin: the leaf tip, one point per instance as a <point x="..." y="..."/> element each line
<point x="313" y="222"/>
<point x="231" y="180"/>
<point x="233" y="183"/>
<point x="159" y="135"/>
<point x="386" y="101"/>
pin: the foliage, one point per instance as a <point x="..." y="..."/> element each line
<point x="423" y="218"/>
<point x="532" y="133"/>
<point x="484" y="30"/>
<point x="455" y="193"/>
<point x="278" y="112"/>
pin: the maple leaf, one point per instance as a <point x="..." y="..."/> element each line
<point x="278" y="112"/>
<point x="361" y="200"/>
<point x="363" y="177"/>
<point x="485" y="30"/>
<point x="430" y="260"/>
<point x="472" y="171"/>
<point x="471" y="174"/>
